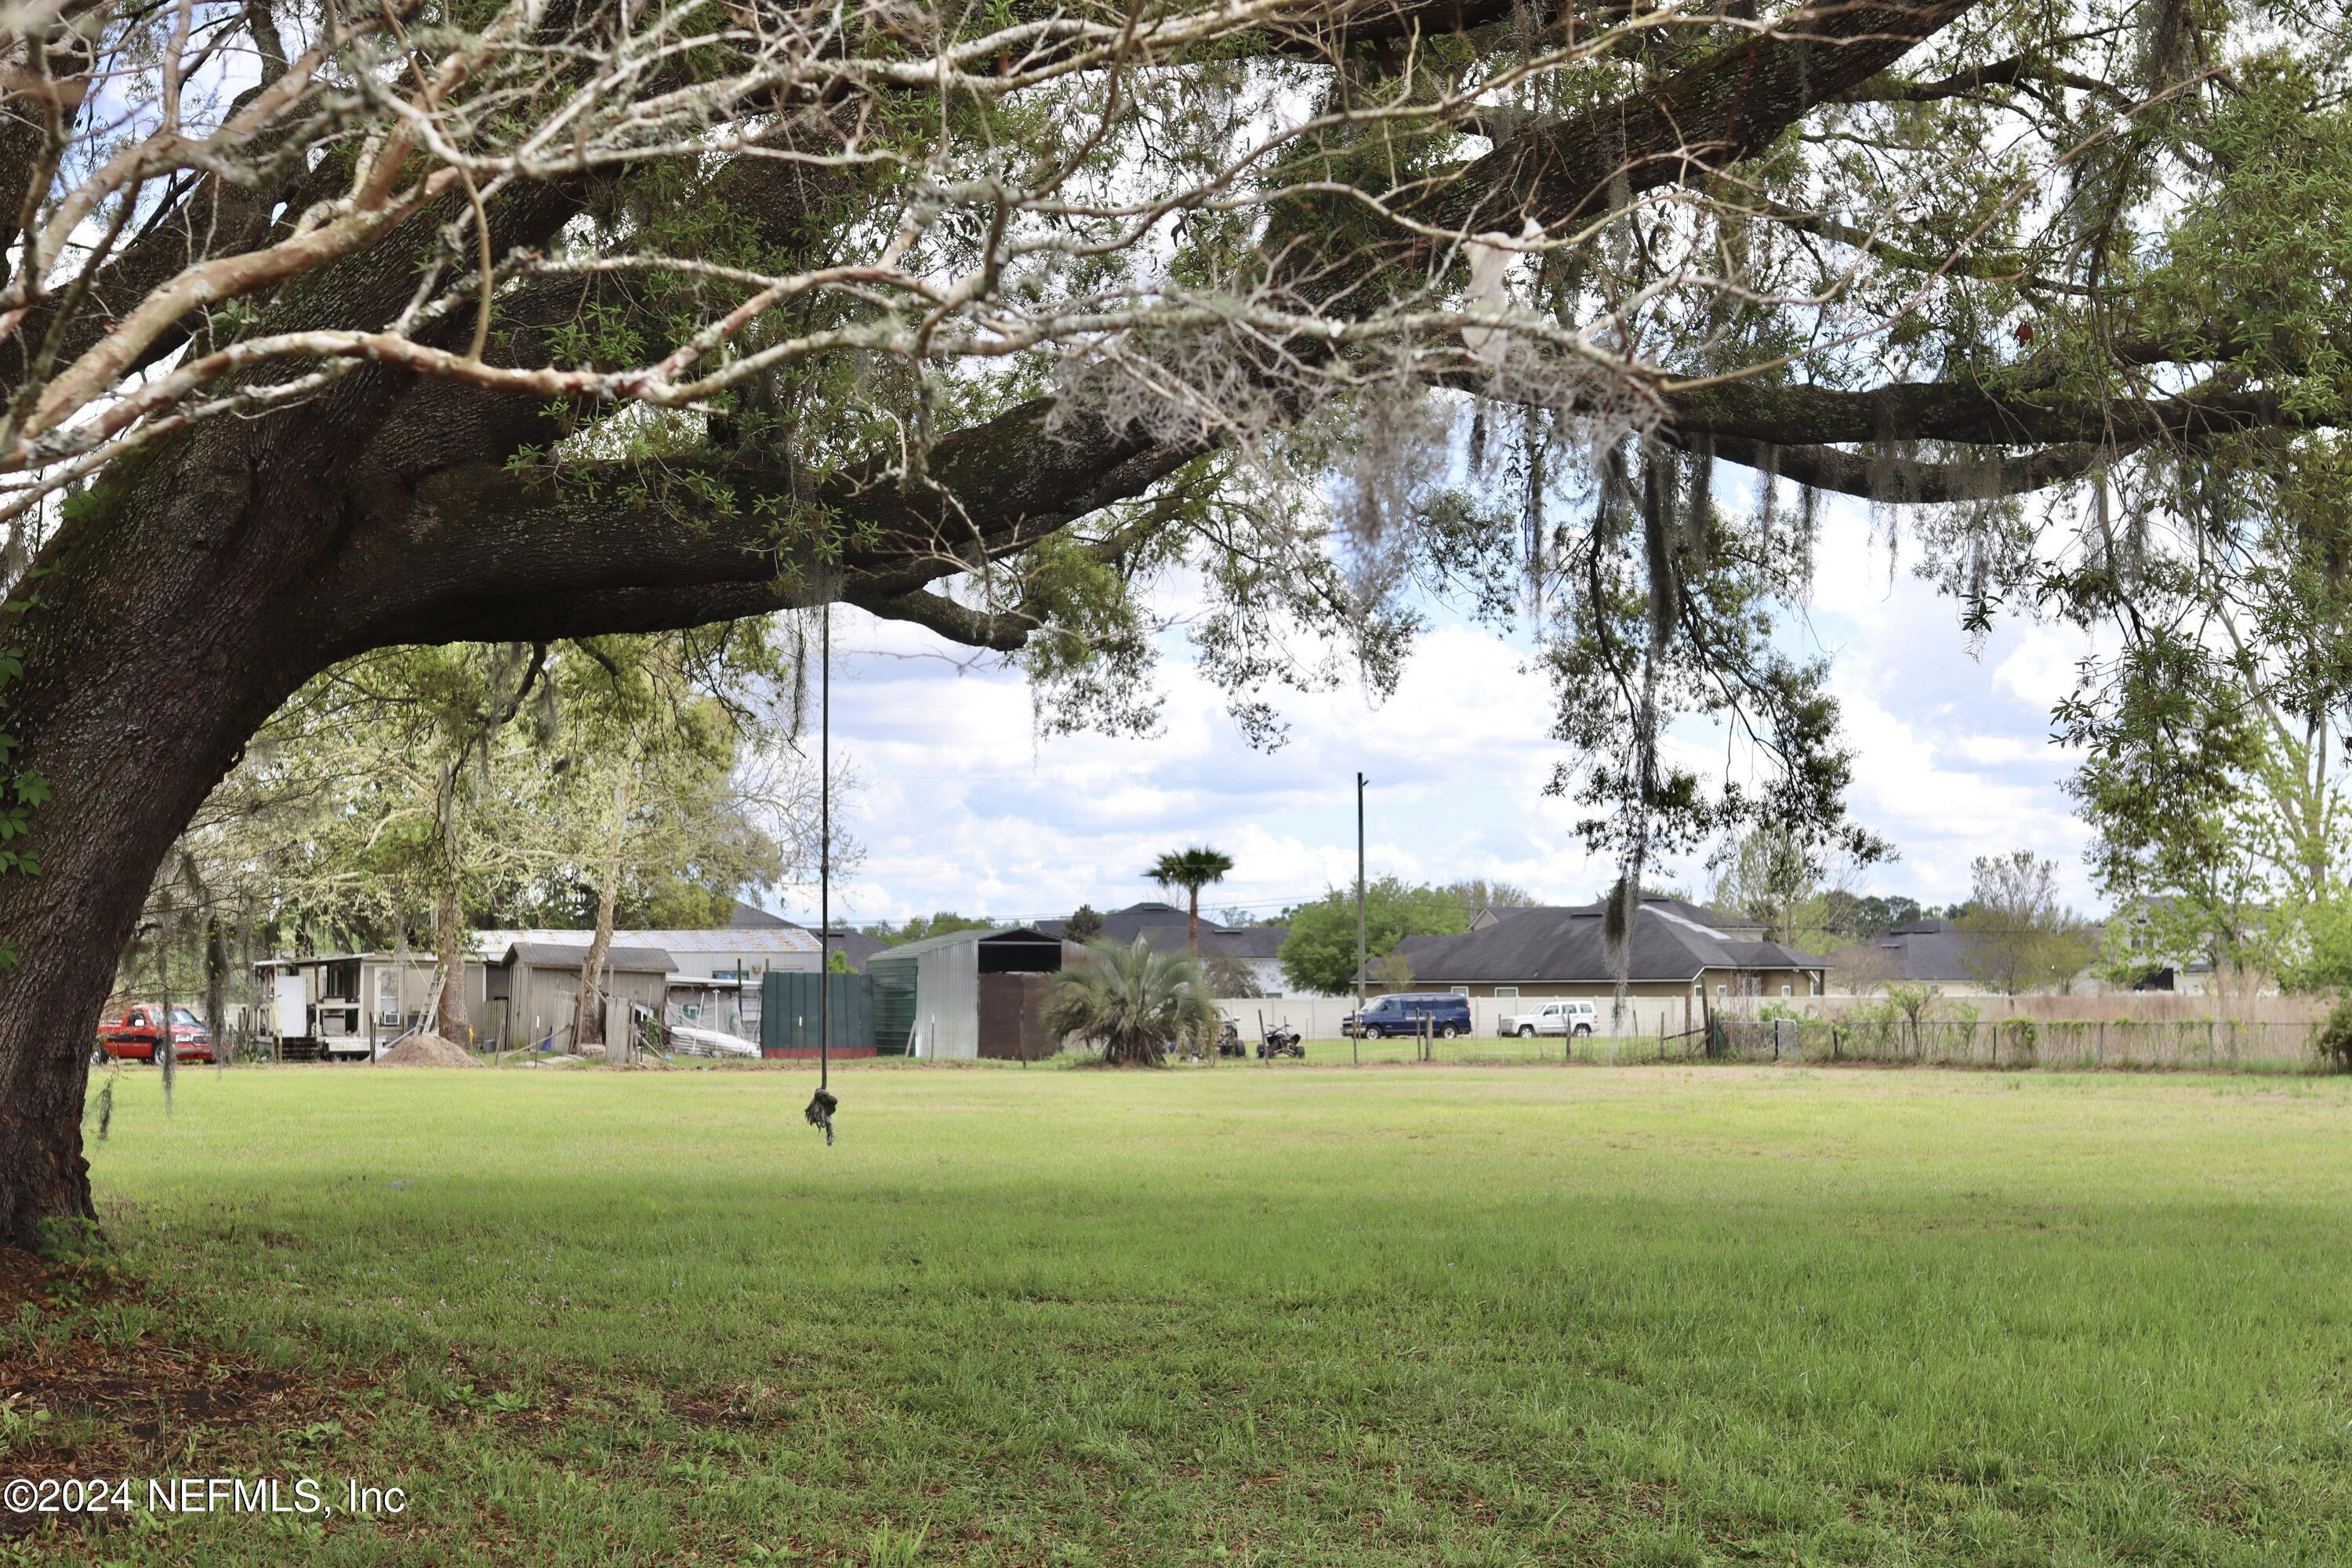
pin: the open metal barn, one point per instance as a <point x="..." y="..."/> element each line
<point x="968" y="994"/>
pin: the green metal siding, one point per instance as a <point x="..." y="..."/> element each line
<point x="894" y="1003"/>
<point x="788" y="1010"/>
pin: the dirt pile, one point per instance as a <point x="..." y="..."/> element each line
<point x="428" y="1051"/>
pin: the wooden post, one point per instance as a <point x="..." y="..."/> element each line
<point x="165" y="1053"/>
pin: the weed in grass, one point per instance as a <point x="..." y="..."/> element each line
<point x="19" y="1425"/>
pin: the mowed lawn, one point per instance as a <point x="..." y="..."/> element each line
<point x="1250" y="1315"/>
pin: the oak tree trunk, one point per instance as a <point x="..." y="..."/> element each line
<point x="157" y="636"/>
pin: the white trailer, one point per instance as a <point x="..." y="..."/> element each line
<point x="349" y="1006"/>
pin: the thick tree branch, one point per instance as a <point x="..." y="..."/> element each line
<point x="2011" y="71"/>
<point x="1962" y="412"/>
<point x="471" y="549"/>
<point x="1006" y="631"/>
<point x="1726" y="108"/>
<point x="1907" y="480"/>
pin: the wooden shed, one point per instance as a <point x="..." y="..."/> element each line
<point x="970" y="994"/>
<point x="534" y="990"/>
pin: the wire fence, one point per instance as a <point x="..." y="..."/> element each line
<point x="2217" y="1044"/>
<point x="2202" y="1044"/>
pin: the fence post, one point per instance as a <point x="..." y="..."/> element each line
<point x="2208" y="1042"/>
<point x="2103" y="1042"/>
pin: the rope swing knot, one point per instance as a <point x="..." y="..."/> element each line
<point x="820" y="1107"/>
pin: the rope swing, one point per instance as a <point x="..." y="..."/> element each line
<point x="822" y="1104"/>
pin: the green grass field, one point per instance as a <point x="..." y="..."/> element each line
<point x="1402" y="1315"/>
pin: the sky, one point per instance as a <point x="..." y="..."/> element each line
<point x="960" y="806"/>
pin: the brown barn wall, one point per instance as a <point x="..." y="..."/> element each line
<point x="1011" y="1011"/>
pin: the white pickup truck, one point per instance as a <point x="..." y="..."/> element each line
<point x="1552" y="1018"/>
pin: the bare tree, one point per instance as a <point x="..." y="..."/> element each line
<point x="333" y="328"/>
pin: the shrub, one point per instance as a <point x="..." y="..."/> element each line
<point x="2334" y="1040"/>
<point x="1134" y="1001"/>
<point x="1911" y="998"/>
<point x="1874" y="1027"/>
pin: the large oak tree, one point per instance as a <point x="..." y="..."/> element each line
<point x="329" y="328"/>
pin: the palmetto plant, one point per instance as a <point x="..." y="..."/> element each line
<point x="1191" y="870"/>
<point x="1135" y="1000"/>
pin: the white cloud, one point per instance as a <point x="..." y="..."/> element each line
<point x="2045" y="665"/>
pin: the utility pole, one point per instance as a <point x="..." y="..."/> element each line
<point x="1359" y="1049"/>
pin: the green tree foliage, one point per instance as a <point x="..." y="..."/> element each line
<point x="1084" y="923"/>
<point x="1478" y="894"/>
<point x="406" y="796"/>
<point x="2020" y="935"/>
<point x="2213" y="779"/>
<point x="921" y="926"/>
<point x="1771" y="877"/>
<point x="1855" y="916"/>
<point x="648" y="788"/>
<point x="1319" y="954"/>
<point x="1132" y="1001"/>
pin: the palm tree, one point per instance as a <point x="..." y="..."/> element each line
<point x="1135" y="1000"/>
<point x="1191" y="870"/>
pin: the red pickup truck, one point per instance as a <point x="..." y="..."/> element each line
<point x="131" y="1033"/>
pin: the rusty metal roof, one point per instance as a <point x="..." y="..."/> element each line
<point x="735" y="939"/>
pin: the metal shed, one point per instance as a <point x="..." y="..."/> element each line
<point x="970" y="994"/>
<point x="535" y="989"/>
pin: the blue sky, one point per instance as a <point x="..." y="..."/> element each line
<point x="961" y="806"/>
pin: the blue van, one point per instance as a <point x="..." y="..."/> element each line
<point x="1441" y="1013"/>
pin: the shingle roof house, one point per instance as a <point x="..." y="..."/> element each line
<point x="1931" y="949"/>
<point x="1706" y="915"/>
<point x="1563" y="952"/>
